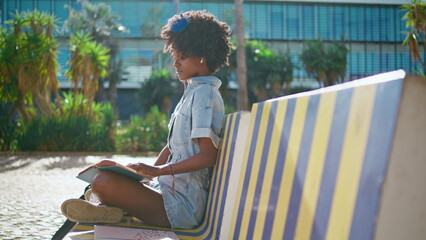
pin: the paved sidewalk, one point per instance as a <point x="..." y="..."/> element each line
<point x="33" y="186"/>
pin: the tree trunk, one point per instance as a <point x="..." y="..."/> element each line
<point x="22" y="111"/>
<point x="166" y="105"/>
<point x="242" y="98"/>
<point x="322" y="78"/>
<point x="287" y="87"/>
<point x="277" y="89"/>
<point x="260" y="93"/>
<point x="58" y="102"/>
<point x="43" y="104"/>
<point x="177" y="6"/>
<point x="113" y="93"/>
<point x="101" y="94"/>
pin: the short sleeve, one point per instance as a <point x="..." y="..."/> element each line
<point x="203" y="111"/>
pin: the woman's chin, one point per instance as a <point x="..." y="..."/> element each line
<point x="182" y="78"/>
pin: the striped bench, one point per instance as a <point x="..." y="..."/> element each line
<point x="343" y="162"/>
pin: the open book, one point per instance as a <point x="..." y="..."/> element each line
<point x="107" y="165"/>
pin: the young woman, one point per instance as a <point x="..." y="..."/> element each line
<point x="200" y="45"/>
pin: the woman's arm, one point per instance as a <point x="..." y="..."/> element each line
<point x="162" y="157"/>
<point x="148" y="170"/>
<point x="205" y="158"/>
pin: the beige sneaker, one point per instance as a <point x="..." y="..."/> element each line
<point x="91" y="197"/>
<point x="88" y="194"/>
<point x="78" y="210"/>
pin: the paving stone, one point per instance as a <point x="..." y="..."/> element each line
<point x="32" y="189"/>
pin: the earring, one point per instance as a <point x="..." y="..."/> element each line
<point x="202" y="60"/>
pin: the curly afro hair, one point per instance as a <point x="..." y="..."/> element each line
<point x="198" y="34"/>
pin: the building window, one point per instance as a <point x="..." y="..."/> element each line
<point x="277" y="20"/>
<point x="293" y="26"/>
<point x="309" y="28"/>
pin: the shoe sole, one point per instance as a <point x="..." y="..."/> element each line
<point x="78" y="210"/>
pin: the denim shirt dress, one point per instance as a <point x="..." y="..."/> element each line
<point x="198" y="114"/>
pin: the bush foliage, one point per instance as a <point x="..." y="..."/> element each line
<point x="8" y="129"/>
<point x="144" y="134"/>
<point x="71" y="133"/>
<point x="75" y="129"/>
<point x="157" y="90"/>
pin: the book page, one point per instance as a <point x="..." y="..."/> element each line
<point x="111" y="232"/>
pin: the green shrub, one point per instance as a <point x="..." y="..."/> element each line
<point x="300" y="89"/>
<point x="71" y="133"/>
<point x="54" y="134"/>
<point x="144" y="134"/>
<point x="77" y="105"/>
<point x="229" y="109"/>
<point x="72" y="130"/>
<point x="8" y="130"/>
<point x="157" y="90"/>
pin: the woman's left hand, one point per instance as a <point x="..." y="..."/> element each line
<point x="146" y="170"/>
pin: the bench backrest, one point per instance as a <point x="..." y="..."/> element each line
<point x="224" y="176"/>
<point x="315" y="163"/>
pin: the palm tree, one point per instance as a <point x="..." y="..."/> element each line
<point x="88" y="63"/>
<point x="281" y="72"/>
<point x="228" y="15"/>
<point x="28" y="63"/>
<point x="177" y="6"/>
<point x="242" y="98"/>
<point x="42" y="67"/>
<point x="266" y="71"/>
<point x="152" y="25"/>
<point x="416" y="23"/>
<point x="337" y="54"/>
<point x="10" y="91"/>
<point x="157" y="90"/>
<point x="326" y="65"/>
<point x="314" y="59"/>
<point x="100" y="23"/>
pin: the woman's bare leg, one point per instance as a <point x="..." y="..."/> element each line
<point x="115" y="190"/>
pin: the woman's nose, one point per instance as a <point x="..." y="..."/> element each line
<point x="175" y="63"/>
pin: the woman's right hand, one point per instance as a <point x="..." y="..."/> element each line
<point x="147" y="170"/>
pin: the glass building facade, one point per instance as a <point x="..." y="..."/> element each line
<point x="373" y="32"/>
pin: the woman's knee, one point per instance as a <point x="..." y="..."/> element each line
<point x="103" y="183"/>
